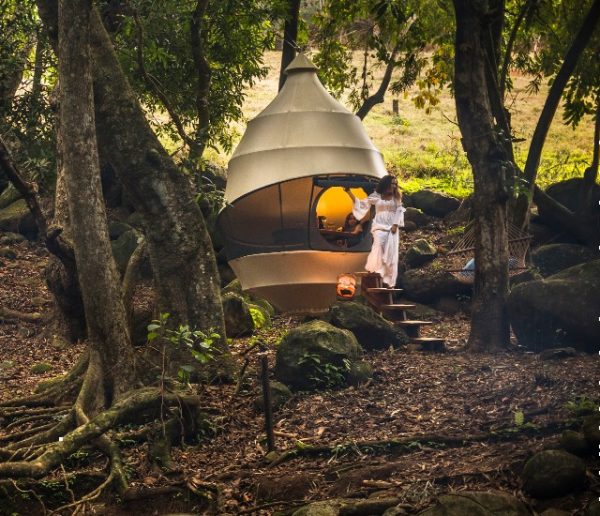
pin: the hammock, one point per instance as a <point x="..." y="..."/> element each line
<point x="462" y="260"/>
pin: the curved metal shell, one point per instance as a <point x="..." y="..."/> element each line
<point x="303" y="132"/>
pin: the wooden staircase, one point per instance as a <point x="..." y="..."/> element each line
<point x="381" y="299"/>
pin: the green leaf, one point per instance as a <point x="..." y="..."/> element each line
<point x="519" y="418"/>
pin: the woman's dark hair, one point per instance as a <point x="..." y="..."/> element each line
<point x="384" y="184"/>
<point x="346" y="223"/>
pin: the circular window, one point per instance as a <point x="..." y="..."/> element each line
<point x="337" y="225"/>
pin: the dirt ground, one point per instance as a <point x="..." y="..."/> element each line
<point x="411" y="395"/>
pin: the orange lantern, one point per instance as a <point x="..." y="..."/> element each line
<point x="346" y="285"/>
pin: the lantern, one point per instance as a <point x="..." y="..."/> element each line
<point x="346" y="286"/>
<point x="282" y="227"/>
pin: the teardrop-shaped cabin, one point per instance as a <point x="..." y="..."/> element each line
<point x="284" y="223"/>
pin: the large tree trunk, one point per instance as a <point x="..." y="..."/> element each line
<point x="290" y="35"/>
<point x="489" y="324"/>
<point x="108" y="335"/>
<point x="179" y="245"/>
<point x="61" y="272"/>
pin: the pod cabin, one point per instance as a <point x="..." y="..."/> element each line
<point x="286" y="206"/>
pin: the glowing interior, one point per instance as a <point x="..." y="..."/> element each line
<point x="335" y="204"/>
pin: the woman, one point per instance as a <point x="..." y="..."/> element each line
<point x="351" y="225"/>
<point x="389" y="216"/>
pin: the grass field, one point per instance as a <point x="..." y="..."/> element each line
<point x="425" y="149"/>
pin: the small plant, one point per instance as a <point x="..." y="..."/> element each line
<point x="325" y="375"/>
<point x="458" y="230"/>
<point x="581" y="406"/>
<point x="199" y="343"/>
<point x="259" y="318"/>
<point x="519" y="418"/>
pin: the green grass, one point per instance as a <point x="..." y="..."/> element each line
<point x="425" y="149"/>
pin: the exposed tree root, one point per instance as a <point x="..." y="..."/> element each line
<point x="409" y="443"/>
<point x="139" y="407"/>
<point x="6" y="314"/>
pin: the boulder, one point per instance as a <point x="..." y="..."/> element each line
<point x="422" y="312"/>
<point x="552" y="473"/>
<point x="8" y="253"/>
<point x="280" y="394"/>
<point x="593" y="509"/>
<point x="568" y="194"/>
<point x="416" y="216"/>
<point x="370" y="329"/>
<point x="452" y="304"/>
<point x="316" y="355"/>
<point x="557" y="353"/>
<point x="524" y="276"/>
<point x="419" y="253"/>
<point x="238" y="319"/>
<point x="553" y="258"/>
<point x="11" y="239"/>
<point x="16" y="217"/>
<point x="233" y="286"/>
<point x="116" y="228"/>
<point x="575" y="443"/>
<point x="477" y="504"/>
<point x="9" y="196"/>
<point x="434" y="203"/>
<point x="558" y="311"/>
<point x="427" y="285"/>
<point x="123" y="247"/>
<point x="226" y="273"/>
<point x="409" y="226"/>
<point x="347" y="507"/>
<point x="591" y="430"/>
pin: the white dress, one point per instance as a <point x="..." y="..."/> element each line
<point x="383" y="257"/>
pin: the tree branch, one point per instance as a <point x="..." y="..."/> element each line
<point x="510" y="44"/>
<point x="27" y="190"/>
<point x="153" y="83"/>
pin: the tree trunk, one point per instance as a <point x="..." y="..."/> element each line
<point x="108" y="335"/>
<point x="290" y="35"/>
<point x="203" y="78"/>
<point x="520" y="210"/>
<point x="179" y="245"/>
<point x="489" y="323"/>
<point x="61" y="273"/>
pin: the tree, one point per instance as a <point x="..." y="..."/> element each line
<point x="193" y="60"/>
<point x="492" y="169"/>
<point x="111" y="368"/>
<point x="389" y="33"/>
<point x="290" y="37"/>
<point x="582" y="91"/>
<point x="104" y="385"/>
<point x="180" y="250"/>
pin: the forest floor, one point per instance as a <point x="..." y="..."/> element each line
<point x="411" y="395"/>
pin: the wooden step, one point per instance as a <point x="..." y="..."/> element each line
<point x="397" y="306"/>
<point x="413" y="323"/>
<point x="412" y="328"/>
<point x="434" y="344"/>
<point x="383" y="290"/>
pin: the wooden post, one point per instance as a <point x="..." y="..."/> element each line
<point x="264" y="372"/>
<point x="395" y="109"/>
